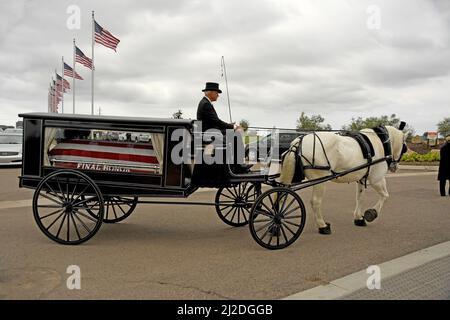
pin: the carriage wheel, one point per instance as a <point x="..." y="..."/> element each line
<point x="118" y="208"/>
<point x="233" y="204"/>
<point x="61" y="203"/>
<point x="277" y="218"/>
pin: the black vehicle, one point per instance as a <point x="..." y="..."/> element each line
<point x="82" y="178"/>
<point x="260" y="150"/>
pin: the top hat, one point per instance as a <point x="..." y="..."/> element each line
<point x="212" y="86"/>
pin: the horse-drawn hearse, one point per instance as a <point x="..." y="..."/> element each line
<point x="84" y="175"/>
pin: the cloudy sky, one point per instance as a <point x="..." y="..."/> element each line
<point x="340" y="59"/>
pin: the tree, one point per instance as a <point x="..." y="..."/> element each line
<point x="244" y="124"/>
<point x="371" y="122"/>
<point x="444" y="127"/>
<point x="178" y="115"/>
<point x="311" y="123"/>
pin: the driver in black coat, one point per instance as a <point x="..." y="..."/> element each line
<point x="444" y="167"/>
<point x="208" y="115"/>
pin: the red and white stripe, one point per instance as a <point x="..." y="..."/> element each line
<point x="85" y="61"/>
<point x="105" y="156"/>
<point x="107" y="39"/>
<point x="69" y="73"/>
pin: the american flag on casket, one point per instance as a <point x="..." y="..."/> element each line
<point x="112" y="156"/>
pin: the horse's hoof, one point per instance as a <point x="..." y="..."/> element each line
<point x="360" y="222"/>
<point x="325" y="230"/>
<point x="370" y="215"/>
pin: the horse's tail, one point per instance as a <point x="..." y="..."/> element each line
<point x="287" y="167"/>
<point x="291" y="164"/>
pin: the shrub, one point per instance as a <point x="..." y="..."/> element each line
<point x="416" y="157"/>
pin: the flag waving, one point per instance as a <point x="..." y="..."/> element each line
<point x="80" y="57"/>
<point x="105" y="38"/>
<point x="65" y="83"/>
<point x="68" y="71"/>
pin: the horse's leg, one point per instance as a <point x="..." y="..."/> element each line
<point x="381" y="189"/>
<point x="316" y="204"/>
<point x="358" y="218"/>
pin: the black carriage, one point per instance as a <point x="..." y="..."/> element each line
<point x="87" y="170"/>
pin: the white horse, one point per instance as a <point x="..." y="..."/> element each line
<point x="344" y="153"/>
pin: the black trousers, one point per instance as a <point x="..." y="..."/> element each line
<point x="442" y="186"/>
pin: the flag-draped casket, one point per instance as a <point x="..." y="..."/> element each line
<point x="114" y="156"/>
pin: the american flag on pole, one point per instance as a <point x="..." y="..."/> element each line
<point x="66" y="83"/>
<point x="105" y="38"/>
<point x="80" y="57"/>
<point x="68" y="71"/>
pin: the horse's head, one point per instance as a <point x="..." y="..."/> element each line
<point x="398" y="145"/>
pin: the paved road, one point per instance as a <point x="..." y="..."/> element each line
<point x="178" y="252"/>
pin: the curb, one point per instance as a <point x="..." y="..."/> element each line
<point x="344" y="286"/>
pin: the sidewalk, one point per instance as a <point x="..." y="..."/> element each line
<point x="421" y="275"/>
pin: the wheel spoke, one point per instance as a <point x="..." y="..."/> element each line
<point x="118" y="204"/>
<point x="265" y="233"/>
<point x="62" y="200"/>
<point x="262" y="220"/>
<point x="269" y="210"/>
<point x="51" y="199"/>
<point x="292" y="224"/>
<point x="114" y="209"/>
<point x="60" y="226"/>
<point x="284" y="196"/>
<point x="264" y="226"/>
<point x="234" y="213"/>
<point x="265" y="213"/>
<point x="293" y="210"/>
<point x="287" y="227"/>
<point x="82" y="223"/>
<point x="54" y="221"/>
<point x="74" y="188"/>
<point x="228" y="197"/>
<point x="75" y="225"/>
<point x="230" y="192"/>
<point x="239" y="214"/>
<point x="81" y="193"/>
<point x="67" y="189"/>
<point x="48" y="206"/>
<point x="87" y="217"/>
<point x="284" y="233"/>
<point x="228" y="212"/>
<point x="288" y="206"/>
<point x="60" y="189"/>
<point x="84" y="201"/>
<point x="51" y="214"/>
<point x="292" y="217"/>
<point x="56" y="198"/>
<point x="68" y="221"/>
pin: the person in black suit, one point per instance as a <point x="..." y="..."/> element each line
<point x="208" y="115"/>
<point x="444" y="167"/>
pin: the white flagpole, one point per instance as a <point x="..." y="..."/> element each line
<point x="93" y="68"/>
<point x="73" y="76"/>
<point x="226" y="83"/>
<point x="62" y="85"/>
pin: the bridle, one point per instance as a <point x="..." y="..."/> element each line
<point x="383" y="134"/>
